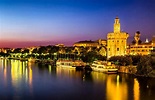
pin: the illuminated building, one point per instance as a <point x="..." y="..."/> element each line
<point x="153" y="51"/>
<point x="102" y="42"/>
<point x="86" y="43"/>
<point x="116" y="41"/>
<point x="60" y="45"/>
<point x="141" y="48"/>
<point x="31" y="49"/>
<point x="99" y="45"/>
<point x="4" y="50"/>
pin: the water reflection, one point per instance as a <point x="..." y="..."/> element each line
<point x="4" y="69"/>
<point x="20" y="73"/>
<point x="98" y="77"/>
<point x="136" y="90"/>
<point x="116" y="90"/>
<point x="16" y="72"/>
<point x="25" y="77"/>
<point x="67" y="74"/>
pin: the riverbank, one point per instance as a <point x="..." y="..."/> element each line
<point x="33" y="60"/>
<point x="127" y="69"/>
<point x="121" y="69"/>
<point x="150" y="74"/>
<point x="133" y="70"/>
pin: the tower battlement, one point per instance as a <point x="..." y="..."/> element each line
<point x="116" y="41"/>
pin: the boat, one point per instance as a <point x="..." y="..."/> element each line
<point x="104" y="66"/>
<point x="69" y="63"/>
<point x="79" y="64"/>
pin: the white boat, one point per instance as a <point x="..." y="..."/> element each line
<point x="103" y="66"/>
<point x="69" y="63"/>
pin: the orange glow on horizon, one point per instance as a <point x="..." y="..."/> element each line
<point x="22" y="44"/>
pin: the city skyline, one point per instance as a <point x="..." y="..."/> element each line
<point x="43" y="22"/>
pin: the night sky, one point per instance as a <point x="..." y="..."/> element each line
<point x="46" y="22"/>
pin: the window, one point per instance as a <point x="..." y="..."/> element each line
<point x="117" y="49"/>
<point x="109" y="49"/>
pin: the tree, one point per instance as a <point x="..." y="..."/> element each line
<point x="121" y="60"/>
<point x="42" y="49"/>
<point x="144" y="67"/>
<point x="91" y="56"/>
<point x="140" y="41"/>
<point x="17" y="50"/>
<point x="135" y="59"/>
<point x="35" y="50"/>
<point x="25" y="51"/>
<point x="133" y="42"/>
<point x="53" y="49"/>
<point x="69" y="49"/>
<point x="4" y="54"/>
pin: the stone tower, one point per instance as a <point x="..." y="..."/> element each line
<point x="116" y="41"/>
<point x="117" y="25"/>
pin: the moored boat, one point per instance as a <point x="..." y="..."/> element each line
<point x="69" y="63"/>
<point x="104" y="66"/>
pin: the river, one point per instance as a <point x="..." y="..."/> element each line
<point x="28" y="81"/>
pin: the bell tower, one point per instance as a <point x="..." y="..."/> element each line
<point x="117" y="25"/>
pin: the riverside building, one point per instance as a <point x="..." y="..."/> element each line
<point x="141" y="48"/>
<point x="116" y="41"/>
<point x="89" y="43"/>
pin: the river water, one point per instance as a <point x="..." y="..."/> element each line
<point x="28" y="81"/>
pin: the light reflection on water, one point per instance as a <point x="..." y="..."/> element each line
<point x="25" y="80"/>
<point x="136" y="90"/>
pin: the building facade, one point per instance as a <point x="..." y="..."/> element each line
<point x="98" y="43"/>
<point x="116" y="41"/>
<point x="86" y="44"/>
<point x="144" y="48"/>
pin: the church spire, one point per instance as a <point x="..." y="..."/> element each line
<point x="117" y="25"/>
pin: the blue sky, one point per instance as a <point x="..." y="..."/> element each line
<point x="69" y="21"/>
